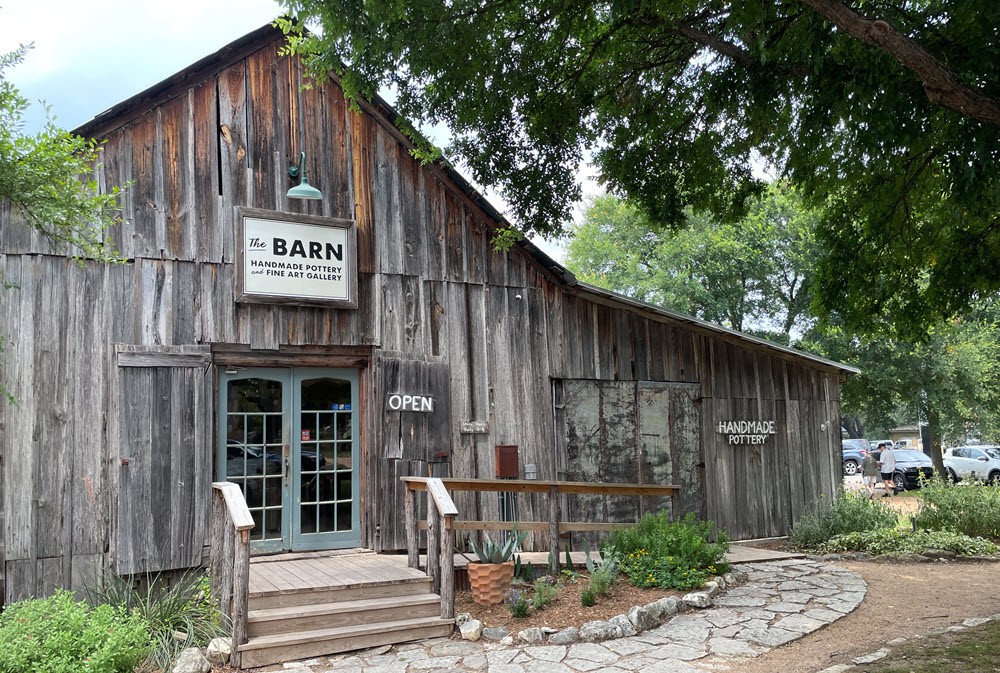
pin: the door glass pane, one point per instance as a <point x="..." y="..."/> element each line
<point x="326" y="418"/>
<point x="253" y="450"/>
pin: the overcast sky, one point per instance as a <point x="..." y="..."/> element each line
<point x="90" y="55"/>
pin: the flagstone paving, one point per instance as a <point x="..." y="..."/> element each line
<point x="780" y="602"/>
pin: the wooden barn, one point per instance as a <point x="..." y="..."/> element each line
<point x="315" y="351"/>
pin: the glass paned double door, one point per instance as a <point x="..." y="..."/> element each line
<point x="289" y="438"/>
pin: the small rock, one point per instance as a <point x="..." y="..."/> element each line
<point x="623" y="624"/>
<point x="495" y="633"/>
<point x="975" y="621"/>
<point x="839" y="668"/>
<point x="739" y="576"/>
<point x="531" y="635"/>
<point x="711" y="588"/>
<point x="939" y="554"/>
<point x="856" y="556"/>
<point x="597" y="630"/>
<point x="914" y="558"/>
<point x="192" y="660"/>
<point x="565" y="637"/>
<point x="507" y="641"/>
<point x="548" y="630"/>
<point x="219" y="650"/>
<point x="720" y="581"/>
<point x="643" y="617"/>
<point x="977" y="558"/>
<point x="698" y="599"/>
<point x="664" y="607"/>
<point x="472" y="629"/>
<point x="872" y="658"/>
<point x="830" y="557"/>
<point x="729" y="579"/>
<point x="461" y="618"/>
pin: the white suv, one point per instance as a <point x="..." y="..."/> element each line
<point x="973" y="462"/>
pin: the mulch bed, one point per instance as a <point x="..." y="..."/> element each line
<point x="565" y="609"/>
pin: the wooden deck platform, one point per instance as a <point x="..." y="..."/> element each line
<point x="314" y="571"/>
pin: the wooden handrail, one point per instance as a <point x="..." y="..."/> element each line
<point x="229" y="568"/>
<point x="533" y="486"/>
<point x="441" y="524"/>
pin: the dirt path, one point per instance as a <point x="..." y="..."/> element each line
<point x="902" y="600"/>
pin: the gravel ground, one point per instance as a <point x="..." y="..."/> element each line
<point x="902" y="600"/>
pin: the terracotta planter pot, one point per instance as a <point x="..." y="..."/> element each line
<point x="490" y="581"/>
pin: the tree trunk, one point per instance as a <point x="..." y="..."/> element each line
<point x="934" y="431"/>
<point x="854" y="426"/>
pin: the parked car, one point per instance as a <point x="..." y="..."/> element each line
<point x="879" y="443"/>
<point x="853" y="453"/>
<point x="983" y="460"/>
<point x="910" y="464"/>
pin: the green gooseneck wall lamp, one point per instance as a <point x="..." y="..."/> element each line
<point x="303" y="190"/>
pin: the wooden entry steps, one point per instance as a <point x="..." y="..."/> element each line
<point x="310" y="607"/>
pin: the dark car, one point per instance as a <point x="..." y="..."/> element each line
<point x="910" y="464"/>
<point x="853" y="453"/>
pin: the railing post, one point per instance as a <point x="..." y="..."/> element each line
<point x="227" y="542"/>
<point x="241" y="592"/>
<point x="433" y="540"/>
<point x="554" y="528"/>
<point x="447" y="568"/>
<point x="412" y="535"/>
<point x="217" y="558"/>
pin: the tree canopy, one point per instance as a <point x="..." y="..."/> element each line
<point x="753" y="275"/>
<point x="886" y="113"/>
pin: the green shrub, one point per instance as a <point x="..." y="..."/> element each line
<point x="588" y="597"/>
<point x="601" y="581"/>
<point x="847" y="513"/>
<point x="59" y="635"/>
<point x="658" y="552"/>
<point x="183" y="607"/>
<point x="895" y="541"/>
<point x="973" y="509"/>
<point x="544" y="593"/>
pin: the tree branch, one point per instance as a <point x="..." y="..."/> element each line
<point x="941" y="85"/>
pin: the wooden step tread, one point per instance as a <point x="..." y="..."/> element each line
<point x="342" y="607"/>
<point x="305" y="637"/>
<point x="424" y="579"/>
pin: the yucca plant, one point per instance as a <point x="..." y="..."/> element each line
<point x="497" y="552"/>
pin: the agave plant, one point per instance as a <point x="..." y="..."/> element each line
<point x="496" y="552"/>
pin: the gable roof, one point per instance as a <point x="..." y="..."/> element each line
<point x="130" y="109"/>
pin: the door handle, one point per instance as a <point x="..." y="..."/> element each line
<point x="286" y="467"/>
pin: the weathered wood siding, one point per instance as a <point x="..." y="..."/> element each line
<point x="493" y="330"/>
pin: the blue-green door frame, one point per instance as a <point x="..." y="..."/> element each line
<point x="291" y="380"/>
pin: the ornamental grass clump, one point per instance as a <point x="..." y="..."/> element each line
<point x="667" y="554"/>
<point x="183" y="607"/>
<point x="972" y="509"/>
<point x="844" y="513"/>
<point x="60" y="635"/>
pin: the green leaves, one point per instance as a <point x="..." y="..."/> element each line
<point x="754" y="274"/>
<point x="680" y="102"/>
<point x="497" y="552"/>
<point x="49" y="178"/>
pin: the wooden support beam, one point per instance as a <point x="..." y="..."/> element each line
<point x="447" y="568"/>
<point x="554" y="529"/>
<point x="539" y="526"/>
<point x="241" y="592"/>
<point x="412" y="538"/>
<point x="433" y="542"/>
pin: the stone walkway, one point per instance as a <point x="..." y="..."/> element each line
<point x="780" y="601"/>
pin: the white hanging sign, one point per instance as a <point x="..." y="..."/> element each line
<point x="297" y="259"/>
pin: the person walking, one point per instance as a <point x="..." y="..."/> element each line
<point x="887" y="465"/>
<point x="869" y="472"/>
